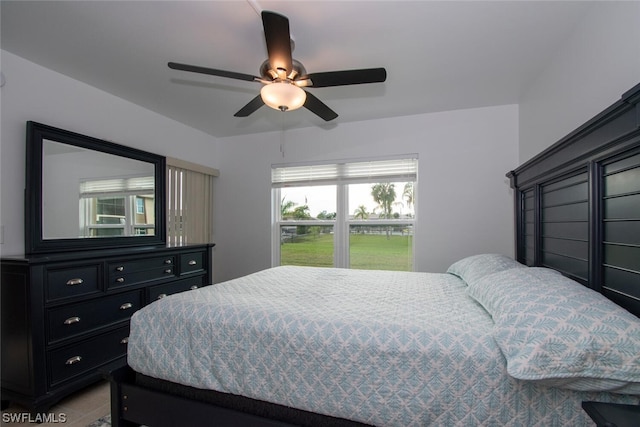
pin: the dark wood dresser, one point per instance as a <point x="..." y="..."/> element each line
<point x="65" y="317"/>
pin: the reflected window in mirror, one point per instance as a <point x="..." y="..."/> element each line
<point x="84" y="192"/>
<point x="105" y="185"/>
<point x="117" y="207"/>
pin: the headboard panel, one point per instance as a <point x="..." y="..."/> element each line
<point x="577" y="204"/>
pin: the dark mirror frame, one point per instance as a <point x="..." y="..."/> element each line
<point x="34" y="241"/>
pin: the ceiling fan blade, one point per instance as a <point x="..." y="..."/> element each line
<point x="252" y="106"/>
<point x="213" y="72"/>
<point x="278" y="38"/>
<point x="347" y="77"/>
<point x="319" y="108"/>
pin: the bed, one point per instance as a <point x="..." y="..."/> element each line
<point x="492" y="341"/>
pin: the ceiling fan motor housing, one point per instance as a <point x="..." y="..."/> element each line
<point x="268" y="73"/>
<point x="284" y="78"/>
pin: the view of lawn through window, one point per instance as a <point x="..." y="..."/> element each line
<point x="369" y="224"/>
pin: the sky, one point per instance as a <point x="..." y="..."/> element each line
<point x="323" y="198"/>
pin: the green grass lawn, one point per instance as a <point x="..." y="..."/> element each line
<point x="367" y="251"/>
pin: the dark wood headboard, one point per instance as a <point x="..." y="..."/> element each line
<point x="577" y="204"/>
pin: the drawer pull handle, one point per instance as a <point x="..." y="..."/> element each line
<point x="73" y="282"/>
<point x="120" y="268"/>
<point x="168" y="261"/>
<point x="73" y="360"/>
<point x="124" y="340"/>
<point x="168" y="271"/>
<point x="193" y="262"/>
<point x="162" y="296"/>
<point x="120" y="280"/>
<point x="194" y="287"/>
<point x="126" y="306"/>
<point x="72" y="320"/>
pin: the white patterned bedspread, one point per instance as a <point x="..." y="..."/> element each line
<point x="379" y="347"/>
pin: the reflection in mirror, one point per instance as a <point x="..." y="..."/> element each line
<point x="88" y="193"/>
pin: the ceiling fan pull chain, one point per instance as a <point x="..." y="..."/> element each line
<point x="282" y="136"/>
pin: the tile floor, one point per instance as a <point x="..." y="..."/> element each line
<point x="80" y="409"/>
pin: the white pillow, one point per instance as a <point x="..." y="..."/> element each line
<point x="555" y="330"/>
<point x="475" y="267"/>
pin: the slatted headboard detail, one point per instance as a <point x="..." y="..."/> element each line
<point x="577" y="204"/>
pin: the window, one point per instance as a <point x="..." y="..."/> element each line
<point x="139" y="206"/>
<point x="190" y="202"/>
<point x="357" y="214"/>
<point x="117" y="207"/>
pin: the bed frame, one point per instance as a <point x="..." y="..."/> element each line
<point x="577" y="210"/>
<point x="577" y="204"/>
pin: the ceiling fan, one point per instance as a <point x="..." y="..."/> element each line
<point x="283" y="77"/>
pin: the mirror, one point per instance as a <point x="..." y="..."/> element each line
<point x="83" y="192"/>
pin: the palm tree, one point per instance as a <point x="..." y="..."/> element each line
<point x="301" y="212"/>
<point x="286" y="208"/>
<point x="361" y="212"/>
<point x="384" y="194"/>
<point x="407" y="193"/>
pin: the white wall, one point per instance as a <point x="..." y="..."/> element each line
<point x="465" y="200"/>
<point x="35" y="93"/>
<point x="465" y="203"/>
<point x="597" y="64"/>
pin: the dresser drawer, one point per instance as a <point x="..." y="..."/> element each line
<point x="77" y="359"/>
<point x="140" y="264"/>
<point x="75" y="319"/>
<point x="161" y="291"/>
<point x="157" y="273"/>
<point x="72" y="281"/>
<point x="191" y="262"/>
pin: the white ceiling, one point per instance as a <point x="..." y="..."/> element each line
<point x="439" y="56"/>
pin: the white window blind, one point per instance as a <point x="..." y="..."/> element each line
<point x="190" y="202"/>
<point x="117" y="185"/>
<point x="401" y="169"/>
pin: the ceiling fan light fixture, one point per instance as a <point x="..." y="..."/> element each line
<point x="283" y="96"/>
<point x="284" y="76"/>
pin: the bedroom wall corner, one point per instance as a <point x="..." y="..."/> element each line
<point x="32" y="92"/>
<point x="597" y="63"/>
